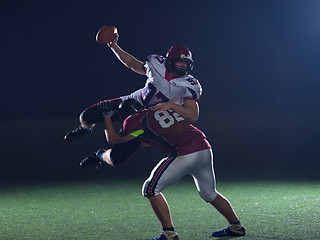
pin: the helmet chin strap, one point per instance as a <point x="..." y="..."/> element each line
<point x="180" y="71"/>
<point x="177" y="73"/>
<point x="174" y="70"/>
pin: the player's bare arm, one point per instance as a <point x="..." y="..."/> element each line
<point x="189" y="110"/>
<point x="127" y="59"/>
<point x="112" y="136"/>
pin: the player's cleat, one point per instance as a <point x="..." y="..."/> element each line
<point x="92" y="160"/>
<point x="79" y="132"/>
<point x="167" y="235"/>
<point x="234" y="230"/>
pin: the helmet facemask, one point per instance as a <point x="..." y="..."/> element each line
<point x="181" y="71"/>
<point x="178" y="54"/>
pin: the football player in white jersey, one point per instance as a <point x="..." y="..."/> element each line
<point x="168" y="84"/>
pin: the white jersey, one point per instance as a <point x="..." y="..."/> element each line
<point x="158" y="89"/>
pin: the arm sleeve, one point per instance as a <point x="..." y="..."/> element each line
<point x="132" y="126"/>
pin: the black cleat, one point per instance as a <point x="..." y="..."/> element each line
<point x="92" y="160"/>
<point x="167" y="235"/>
<point x="234" y="230"/>
<point x="79" y="132"/>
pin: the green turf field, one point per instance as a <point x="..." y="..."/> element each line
<point x="116" y="210"/>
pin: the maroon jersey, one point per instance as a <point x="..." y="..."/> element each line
<point x="167" y="130"/>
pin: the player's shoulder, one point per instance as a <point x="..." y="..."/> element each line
<point x="156" y="57"/>
<point x="188" y="81"/>
<point x="155" y="63"/>
<point x="192" y="86"/>
<point x="137" y="116"/>
<point x="134" y="121"/>
<point x="193" y="81"/>
<point x="155" y="60"/>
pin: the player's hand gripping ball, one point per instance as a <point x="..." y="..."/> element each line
<point x="106" y="34"/>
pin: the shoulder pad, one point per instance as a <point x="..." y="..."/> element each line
<point x="194" y="90"/>
<point x="155" y="63"/>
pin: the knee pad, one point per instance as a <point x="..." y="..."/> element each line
<point x="208" y="196"/>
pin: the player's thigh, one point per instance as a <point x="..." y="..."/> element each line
<point x="168" y="171"/>
<point x="204" y="176"/>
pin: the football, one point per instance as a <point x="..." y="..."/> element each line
<point x="106" y="34"/>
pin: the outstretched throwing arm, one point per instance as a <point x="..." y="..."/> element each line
<point x="127" y="59"/>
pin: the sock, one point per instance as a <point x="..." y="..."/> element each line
<point x="236" y="222"/>
<point x="168" y="229"/>
<point x="100" y="156"/>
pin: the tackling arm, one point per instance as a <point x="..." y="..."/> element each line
<point x="112" y="136"/>
<point x="189" y="110"/>
<point x="127" y="59"/>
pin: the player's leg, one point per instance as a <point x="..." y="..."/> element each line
<point x="152" y="187"/>
<point x="113" y="157"/>
<point x="165" y="173"/>
<point x="161" y="208"/>
<point x="224" y="207"/>
<point x="204" y="179"/>
<point x="92" y="115"/>
<point x="121" y="152"/>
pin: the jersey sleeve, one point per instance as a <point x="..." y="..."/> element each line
<point x="137" y="95"/>
<point x="193" y="90"/>
<point x="132" y="126"/>
<point x="154" y="63"/>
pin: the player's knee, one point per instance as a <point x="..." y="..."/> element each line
<point x="208" y="196"/>
<point x="91" y="115"/>
<point x="150" y="194"/>
<point x="149" y="189"/>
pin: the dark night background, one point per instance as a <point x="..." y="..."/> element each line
<point x="258" y="63"/>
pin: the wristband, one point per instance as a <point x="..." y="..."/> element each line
<point x="137" y="133"/>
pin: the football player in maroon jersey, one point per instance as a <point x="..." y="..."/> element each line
<point x="189" y="154"/>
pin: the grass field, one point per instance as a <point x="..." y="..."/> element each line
<point x="116" y="210"/>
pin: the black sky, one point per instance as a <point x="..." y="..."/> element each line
<point x="258" y="63"/>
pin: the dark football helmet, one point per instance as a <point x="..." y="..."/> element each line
<point x="127" y="108"/>
<point x="176" y="54"/>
